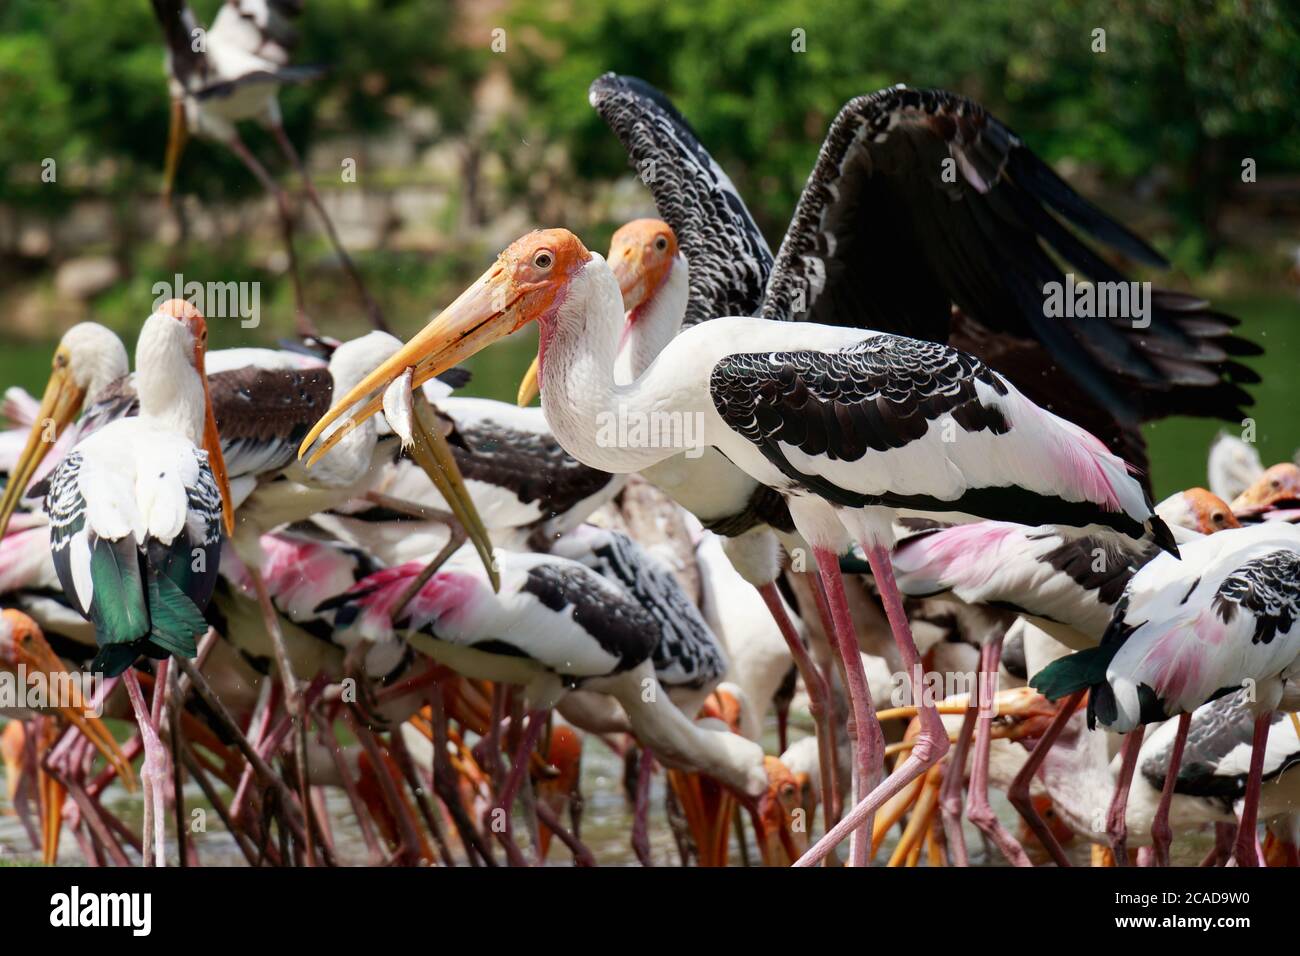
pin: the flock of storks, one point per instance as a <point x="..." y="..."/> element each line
<point x="871" y="477"/>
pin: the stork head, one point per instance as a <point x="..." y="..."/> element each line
<point x="528" y="282"/>
<point x="641" y="255"/>
<point x="557" y="784"/>
<point x="23" y="645"/>
<point x="1197" y="510"/>
<point x="89" y="357"/>
<point x="1278" y="483"/>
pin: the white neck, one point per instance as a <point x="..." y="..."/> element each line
<point x="170" y="390"/>
<point x="593" y="417"/>
<point x="654" y="323"/>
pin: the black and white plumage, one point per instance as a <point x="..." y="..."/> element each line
<point x="688" y="659"/>
<point x="921" y="201"/>
<point x="730" y="260"/>
<point x="1188" y="631"/>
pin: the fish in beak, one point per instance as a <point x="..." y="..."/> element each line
<point x="184" y="312"/>
<point x="527" y="283"/>
<point x="178" y="134"/>
<point x="641" y="255"/>
<point x="60" y="406"/>
<point x="21" y="642"/>
<point x="409" y="415"/>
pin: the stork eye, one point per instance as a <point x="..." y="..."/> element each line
<point x="1219" y="517"/>
<point x="661" y="243"/>
<point x="543" y="260"/>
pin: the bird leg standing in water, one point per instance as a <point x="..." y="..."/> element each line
<point x="1115" y="828"/>
<point x="1161" y="835"/>
<point x="979" y="810"/>
<point x="499" y="814"/>
<point x="864" y="730"/>
<point x="819" y="697"/>
<point x="1018" y="792"/>
<point x="641" y="808"/>
<point x="932" y="743"/>
<point x="153" y="774"/>
<point x="372" y="307"/>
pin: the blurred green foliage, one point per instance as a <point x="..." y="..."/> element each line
<point x="1189" y="87"/>
<point x="82" y="81"/>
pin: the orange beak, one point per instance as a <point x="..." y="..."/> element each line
<point x="31" y="649"/>
<point x="178" y="134"/>
<point x="60" y="405"/>
<point x="524" y="283"/>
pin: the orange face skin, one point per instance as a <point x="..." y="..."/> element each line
<point x="1279" y="483"/>
<point x="564" y="756"/>
<point x="641" y="254"/>
<point x="1210" y="511"/>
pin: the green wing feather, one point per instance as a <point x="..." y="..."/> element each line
<point x="176" y="620"/>
<point x="118" y="609"/>
<point x="1083" y="669"/>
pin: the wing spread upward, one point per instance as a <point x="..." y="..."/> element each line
<point x="921" y="200"/>
<point x="729" y="258"/>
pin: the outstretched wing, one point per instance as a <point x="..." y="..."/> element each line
<point x="729" y="258"/>
<point x="920" y="200"/>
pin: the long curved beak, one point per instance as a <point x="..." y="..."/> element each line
<point x="178" y="134"/>
<point x="432" y="453"/>
<point x="530" y="385"/>
<point x="480" y="316"/>
<point x="212" y="445"/>
<point x="37" y="654"/>
<point x="59" y="406"/>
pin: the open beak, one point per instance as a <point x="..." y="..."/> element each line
<point x="480" y="316"/>
<point x="59" y="406"/>
<point x="39" y="657"/>
<point x="530" y="385"/>
<point x="178" y="134"/>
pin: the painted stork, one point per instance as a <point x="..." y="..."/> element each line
<point x="555" y="625"/>
<point x="653" y="278"/>
<point x="847" y="424"/>
<point x="230" y="74"/>
<point x="1183" y="633"/>
<point x="136" y="515"/>
<point x="920" y="201"/>
<point x="1065" y="583"/>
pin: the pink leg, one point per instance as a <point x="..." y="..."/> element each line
<point x="979" y="810"/>
<point x="864" y="730"/>
<point x="641" y="812"/>
<point x="1221" y="852"/>
<point x="950" y="795"/>
<point x="1161" y="834"/>
<point x="1115" y="827"/>
<point x="1018" y="793"/>
<point x="154" y="773"/>
<point x="818" y="696"/>
<point x="931" y="744"/>
<point x="506" y="798"/>
<point x="1246" y="851"/>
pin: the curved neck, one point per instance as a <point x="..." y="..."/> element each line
<point x="170" y="389"/>
<point x="653" y="324"/>
<point x="616" y="428"/>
